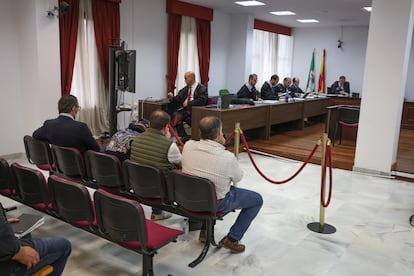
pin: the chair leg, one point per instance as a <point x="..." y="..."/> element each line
<point x="335" y="133"/>
<point x="147" y="264"/>
<point x="340" y="134"/>
<point x="209" y="239"/>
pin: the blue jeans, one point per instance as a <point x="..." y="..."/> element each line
<point x="248" y="201"/>
<point x="52" y="251"/>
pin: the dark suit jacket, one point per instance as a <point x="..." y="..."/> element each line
<point x="244" y="92"/>
<point x="200" y="97"/>
<point x="294" y="89"/>
<point x="280" y="88"/>
<point x="336" y="88"/>
<point x="267" y="92"/>
<point x="66" y="132"/>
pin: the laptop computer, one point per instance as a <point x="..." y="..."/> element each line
<point x="226" y="100"/>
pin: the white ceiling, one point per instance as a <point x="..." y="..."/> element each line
<point x="328" y="12"/>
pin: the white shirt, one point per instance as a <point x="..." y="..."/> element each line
<point x="209" y="159"/>
<point x="174" y="154"/>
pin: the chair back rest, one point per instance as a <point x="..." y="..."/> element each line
<point x="223" y="92"/>
<point x="348" y="115"/>
<point x="146" y="181"/>
<point x="120" y="219"/>
<point x="31" y="185"/>
<point x="193" y="193"/>
<point x="38" y="153"/>
<point x="6" y="180"/>
<point x="70" y="200"/>
<point x="68" y="161"/>
<point x="104" y="169"/>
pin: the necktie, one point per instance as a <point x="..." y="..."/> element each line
<point x="189" y="94"/>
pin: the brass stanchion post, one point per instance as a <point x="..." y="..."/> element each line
<point x="236" y="140"/>
<point x="320" y="226"/>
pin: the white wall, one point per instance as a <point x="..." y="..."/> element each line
<point x="29" y="71"/>
<point x="348" y="60"/>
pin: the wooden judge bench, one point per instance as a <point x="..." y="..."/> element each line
<point x="262" y="118"/>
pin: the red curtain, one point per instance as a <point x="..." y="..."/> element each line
<point x="203" y="47"/>
<point x="106" y="22"/>
<point x="174" y="29"/>
<point x="68" y="28"/>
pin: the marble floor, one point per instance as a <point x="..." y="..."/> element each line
<point x="370" y="214"/>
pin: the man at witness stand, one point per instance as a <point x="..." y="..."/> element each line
<point x="120" y="143"/>
<point x="155" y="148"/>
<point x="208" y="158"/>
<point x="27" y="255"/>
<point x="64" y="130"/>
<point x="248" y="90"/>
<point x="268" y="91"/>
<point x="194" y="94"/>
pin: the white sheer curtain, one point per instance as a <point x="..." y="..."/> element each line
<point x="264" y="63"/>
<point x="187" y="55"/>
<point x="284" y="56"/>
<point x="272" y="54"/>
<point x="87" y="84"/>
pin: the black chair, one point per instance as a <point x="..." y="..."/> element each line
<point x="123" y="221"/>
<point x="38" y="153"/>
<point x="72" y="202"/>
<point x="105" y="171"/>
<point x="70" y="164"/>
<point x="31" y="187"/>
<point x="6" y="180"/>
<point x="147" y="183"/>
<point x="347" y="117"/>
<point x="196" y="197"/>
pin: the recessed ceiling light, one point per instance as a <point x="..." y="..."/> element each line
<point x="368" y="9"/>
<point x="250" y="3"/>
<point x="307" y="20"/>
<point x="283" y="13"/>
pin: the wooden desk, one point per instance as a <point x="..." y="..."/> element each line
<point x="146" y="107"/>
<point x="347" y="133"/>
<point x="260" y="116"/>
<point x="249" y="117"/>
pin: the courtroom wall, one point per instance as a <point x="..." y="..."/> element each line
<point x="348" y="60"/>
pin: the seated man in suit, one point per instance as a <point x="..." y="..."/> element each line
<point x="248" y="90"/>
<point x="341" y="86"/>
<point x="194" y="94"/>
<point x="295" y="90"/>
<point x="282" y="88"/>
<point x="268" y="91"/>
<point x="27" y="255"/>
<point x="64" y="131"/>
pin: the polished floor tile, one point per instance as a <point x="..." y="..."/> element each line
<point x="370" y="214"/>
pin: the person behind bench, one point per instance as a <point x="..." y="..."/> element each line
<point x="208" y="158"/>
<point x="27" y="255"/>
<point x="248" y="90"/>
<point x="341" y="86"/>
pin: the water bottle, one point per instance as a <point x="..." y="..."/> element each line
<point x="185" y="228"/>
<point x="219" y="102"/>
<point x="287" y="96"/>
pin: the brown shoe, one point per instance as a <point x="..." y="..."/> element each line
<point x="203" y="236"/>
<point x="234" y="247"/>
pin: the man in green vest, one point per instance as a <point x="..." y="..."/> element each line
<point x="155" y="148"/>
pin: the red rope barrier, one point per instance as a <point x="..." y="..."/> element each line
<point x="229" y="138"/>
<point x="243" y="138"/>
<point x="172" y="131"/>
<point x="328" y="160"/>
